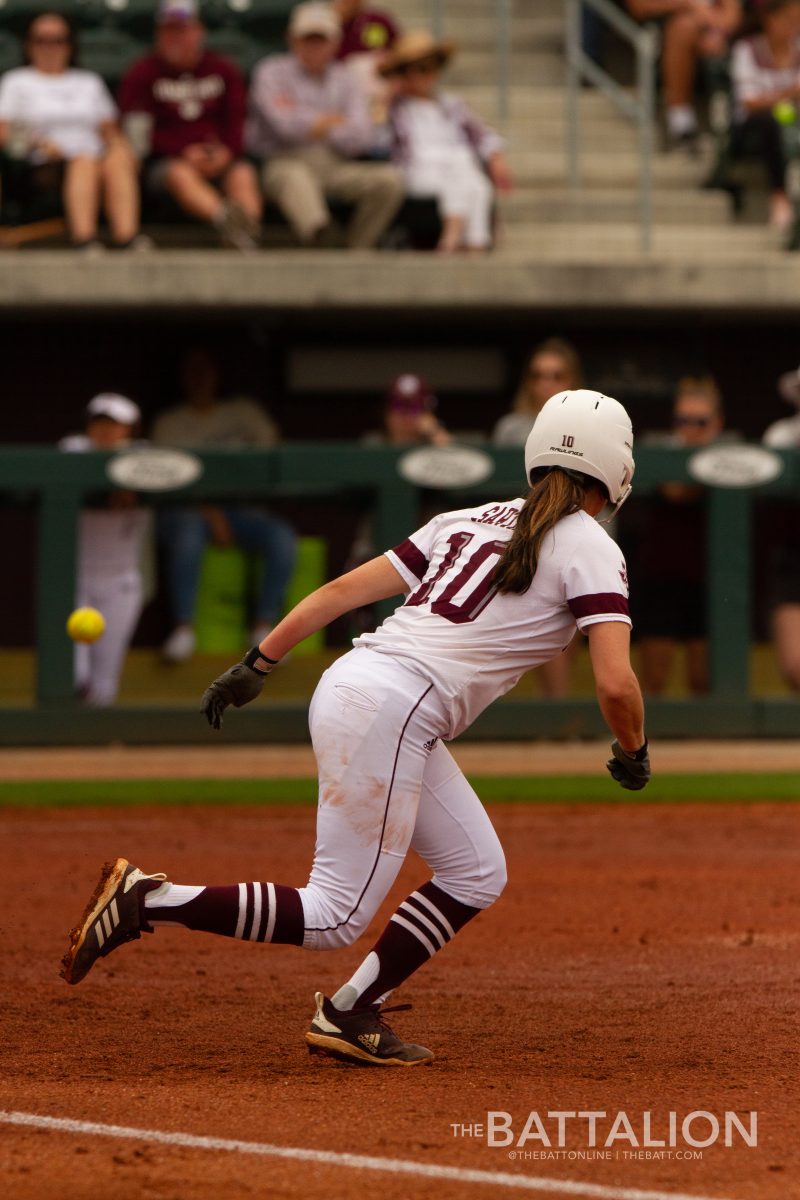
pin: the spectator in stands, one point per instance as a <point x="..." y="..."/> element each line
<point x="364" y="30"/>
<point x="443" y="149"/>
<point x="60" y="123"/>
<point x="204" y="421"/>
<point x="692" y="30"/>
<point x="766" y="82"/>
<point x="670" y="595"/>
<point x="785" y="564"/>
<point x="111" y="536"/>
<point x="194" y="102"/>
<point x="553" y="367"/>
<point x="367" y="35"/>
<point x="309" y="122"/>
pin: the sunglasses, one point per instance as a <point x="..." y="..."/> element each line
<point x="44" y="40"/>
<point x="537" y="374"/>
<point x="697" y="423"/>
<point x="428" y="66"/>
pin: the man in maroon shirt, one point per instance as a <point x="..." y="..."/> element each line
<point x="185" y="107"/>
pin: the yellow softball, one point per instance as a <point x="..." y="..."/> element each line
<point x="86" y="625"/>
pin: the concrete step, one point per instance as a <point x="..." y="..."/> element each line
<point x="530" y="31"/>
<point x="540" y="100"/>
<point x="547" y="167"/>
<point x="531" y="67"/>
<point x="531" y="205"/>
<point x="418" y="14"/>
<point x="617" y="243"/>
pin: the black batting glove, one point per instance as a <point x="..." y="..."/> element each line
<point x="237" y="686"/>
<point x="631" y="771"/>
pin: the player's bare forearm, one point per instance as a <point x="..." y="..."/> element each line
<point x="618" y="693"/>
<point x="375" y="580"/>
<point x="623" y="711"/>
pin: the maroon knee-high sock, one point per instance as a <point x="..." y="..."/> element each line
<point x="422" y="925"/>
<point x="255" y="912"/>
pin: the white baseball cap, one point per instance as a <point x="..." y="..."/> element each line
<point x="312" y="17"/>
<point x="115" y="407"/>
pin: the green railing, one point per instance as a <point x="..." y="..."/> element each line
<point x="57" y="484"/>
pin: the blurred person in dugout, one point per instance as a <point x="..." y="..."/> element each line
<point x="408" y="419"/>
<point x="670" y="595"/>
<point x="553" y="366"/>
<point x="409" y="415"/>
<point x="441" y="146"/>
<point x="765" y="73"/>
<point x="784" y="567"/>
<point x="184" y="111"/>
<point x="112" y="535"/>
<point x="58" y="125"/>
<point x="692" y="30"/>
<point x="309" y="123"/>
<point x="205" y="421"/>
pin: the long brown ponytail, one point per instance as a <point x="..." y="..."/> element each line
<point x="554" y="494"/>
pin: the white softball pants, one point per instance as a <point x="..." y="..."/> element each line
<point x="98" y="666"/>
<point x="461" y="188"/>
<point x="386" y="784"/>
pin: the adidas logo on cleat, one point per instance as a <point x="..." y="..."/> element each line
<point x="370" y="1040"/>
<point x="109" y="920"/>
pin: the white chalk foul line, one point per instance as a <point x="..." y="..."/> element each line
<point x="358" y="1162"/>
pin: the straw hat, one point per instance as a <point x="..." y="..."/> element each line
<point x="415" y="47"/>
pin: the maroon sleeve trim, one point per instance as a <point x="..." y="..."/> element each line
<point x="599" y="603"/>
<point x="412" y="558"/>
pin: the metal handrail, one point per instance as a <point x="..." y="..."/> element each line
<point x="640" y="108"/>
<point x="502" y="10"/>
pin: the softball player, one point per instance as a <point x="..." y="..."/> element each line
<point x="490" y="592"/>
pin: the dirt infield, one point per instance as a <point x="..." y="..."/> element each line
<point x="484" y="758"/>
<point x="641" y="959"/>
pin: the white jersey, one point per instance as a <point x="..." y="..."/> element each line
<point x="580" y="580"/>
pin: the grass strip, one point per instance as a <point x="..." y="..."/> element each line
<point x="741" y="787"/>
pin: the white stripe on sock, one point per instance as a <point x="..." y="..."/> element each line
<point x="418" y="916"/>
<point x="432" y="908"/>
<point x="272" y="913"/>
<point x="256" y="912"/>
<point x="242" y="910"/>
<point x="429" y="946"/>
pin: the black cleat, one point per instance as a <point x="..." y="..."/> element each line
<point x="361" y="1036"/>
<point x="113" y="916"/>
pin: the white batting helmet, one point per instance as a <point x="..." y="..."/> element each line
<point x="584" y="431"/>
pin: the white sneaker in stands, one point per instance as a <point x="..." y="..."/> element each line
<point x="180" y="645"/>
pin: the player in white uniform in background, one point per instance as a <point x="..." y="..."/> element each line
<point x="490" y="592"/>
<point x="110" y="541"/>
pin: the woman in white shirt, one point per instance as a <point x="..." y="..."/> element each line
<point x="442" y="147"/>
<point x="62" y="122"/>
